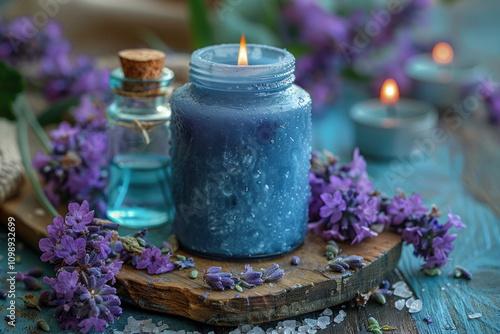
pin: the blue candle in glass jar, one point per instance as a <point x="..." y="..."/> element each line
<point x="241" y="144"/>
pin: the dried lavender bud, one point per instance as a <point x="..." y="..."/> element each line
<point x="45" y="297"/>
<point x="273" y="273"/>
<point x="193" y="274"/>
<point x="31" y="283"/>
<point x="329" y="255"/>
<point x="218" y="280"/>
<point x="332" y="247"/>
<point x="181" y="258"/>
<point x="238" y="288"/>
<point x="3" y="294"/>
<point x="354" y="261"/>
<point x="30" y="300"/>
<point x="35" y="272"/>
<point x="432" y="271"/>
<point x="379" y="298"/>
<point x="141" y="242"/>
<point x="462" y="272"/>
<point x="373" y="322"/>
<point x="250" y="278"/>
<point x="336" y="267"/>
<point x="428" y="319"/>
<point x="295" y="260"/>
<point x="384" y="285"/>
<point x="43" y="325"/>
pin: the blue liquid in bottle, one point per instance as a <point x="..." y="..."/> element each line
<point x="139" y="192"/>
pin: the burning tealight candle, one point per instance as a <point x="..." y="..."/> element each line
<point x="391" y="127"/>
<point x="439" y="77"/>
<point x="241" y="146"/>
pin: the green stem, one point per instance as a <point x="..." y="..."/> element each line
<point x="25" y="112"/>
<point x="22" y="137"/>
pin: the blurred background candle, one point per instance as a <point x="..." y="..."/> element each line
<point x="440" y="78"/>
<point x="241" y="147"/>
<point x="391" y="127"/>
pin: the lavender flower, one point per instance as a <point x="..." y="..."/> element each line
<point x="295" y="260"/>
<point x="74" y="171"/>
<point x="78" y="246"/>
<point x="273" y="273"/>
<point x="343" y="194"/>
<point x="251" y="278"/>
<point x="152" y="260"/>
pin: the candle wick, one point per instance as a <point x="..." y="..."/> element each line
<point x="391" y="111"/>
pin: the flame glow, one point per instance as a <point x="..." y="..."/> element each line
<point x="442" y="53"/>
<point x="242" y="56"/>
<point x="389" y="92"/>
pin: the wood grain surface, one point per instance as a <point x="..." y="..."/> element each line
<point x="305" y="288"/>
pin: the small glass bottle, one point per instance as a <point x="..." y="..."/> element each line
<point x="139" y="192"/>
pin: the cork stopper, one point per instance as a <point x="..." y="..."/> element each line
<point x="142" y="63"/>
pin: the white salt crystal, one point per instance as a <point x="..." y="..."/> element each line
<point x="327" y="312"/>
<point x="403" y="292"/>
<point x="290" y="324"/>
<point x="211" y="332"/>
<point x="236" y="331"/>
<point x="288" y="330"/>
<point x="400" y="304"/>
<point x="274" y="332"/>
<point x="304" y="328"/>
<point x="416" y="306"/>
<point x="409" y="302"/>
<point x="323" y="322"/>
<point x="246" y="328"/>
<point x="311" y="331"/>
<point x="338" y="319"/>
<point x="343" y="306"/>
<point x="258" y="330"/>
<point x="311" y="322"/>
<point x="475" y="315"/>
<point x="181" y="332"/>
<point x="39" y="212"/>
<point x="342" y="312"/>
<point x="269" y="331"/>
<point x="400" y="284"/>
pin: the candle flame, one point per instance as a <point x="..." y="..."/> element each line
<point x="389" y="92"/>
<point x="242" y="56"/>
<point x="442" y="53"/>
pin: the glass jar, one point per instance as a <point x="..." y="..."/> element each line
<point x="139" y="191"/>
<point x="241" y="145"/>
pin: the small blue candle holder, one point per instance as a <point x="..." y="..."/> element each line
<point x="241" y="144"/>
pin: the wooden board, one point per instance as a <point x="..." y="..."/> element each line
<point x="305" y="288"/>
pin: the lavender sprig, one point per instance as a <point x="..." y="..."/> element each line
<point x="79" y="249"/>
<point x="344" y="206"/>
<point x="248" y="279"/>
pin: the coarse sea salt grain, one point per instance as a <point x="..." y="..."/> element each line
<point x="400" y="304"/>
<point x="409" y="302"/>
<point x="327" y="312"/>
<point x="323" y="322"/>
<point x="475" y="315"/>
<point x="416" y="306"/>
<point x="342" y="312"/>
<point x="338" y="319"/>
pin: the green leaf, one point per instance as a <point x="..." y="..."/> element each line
<point x="11" y="84"/>
<point x="54" y="113"/>
<point x="201" y="29"/>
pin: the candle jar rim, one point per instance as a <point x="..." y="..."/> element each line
<point x="215" y="67"/>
